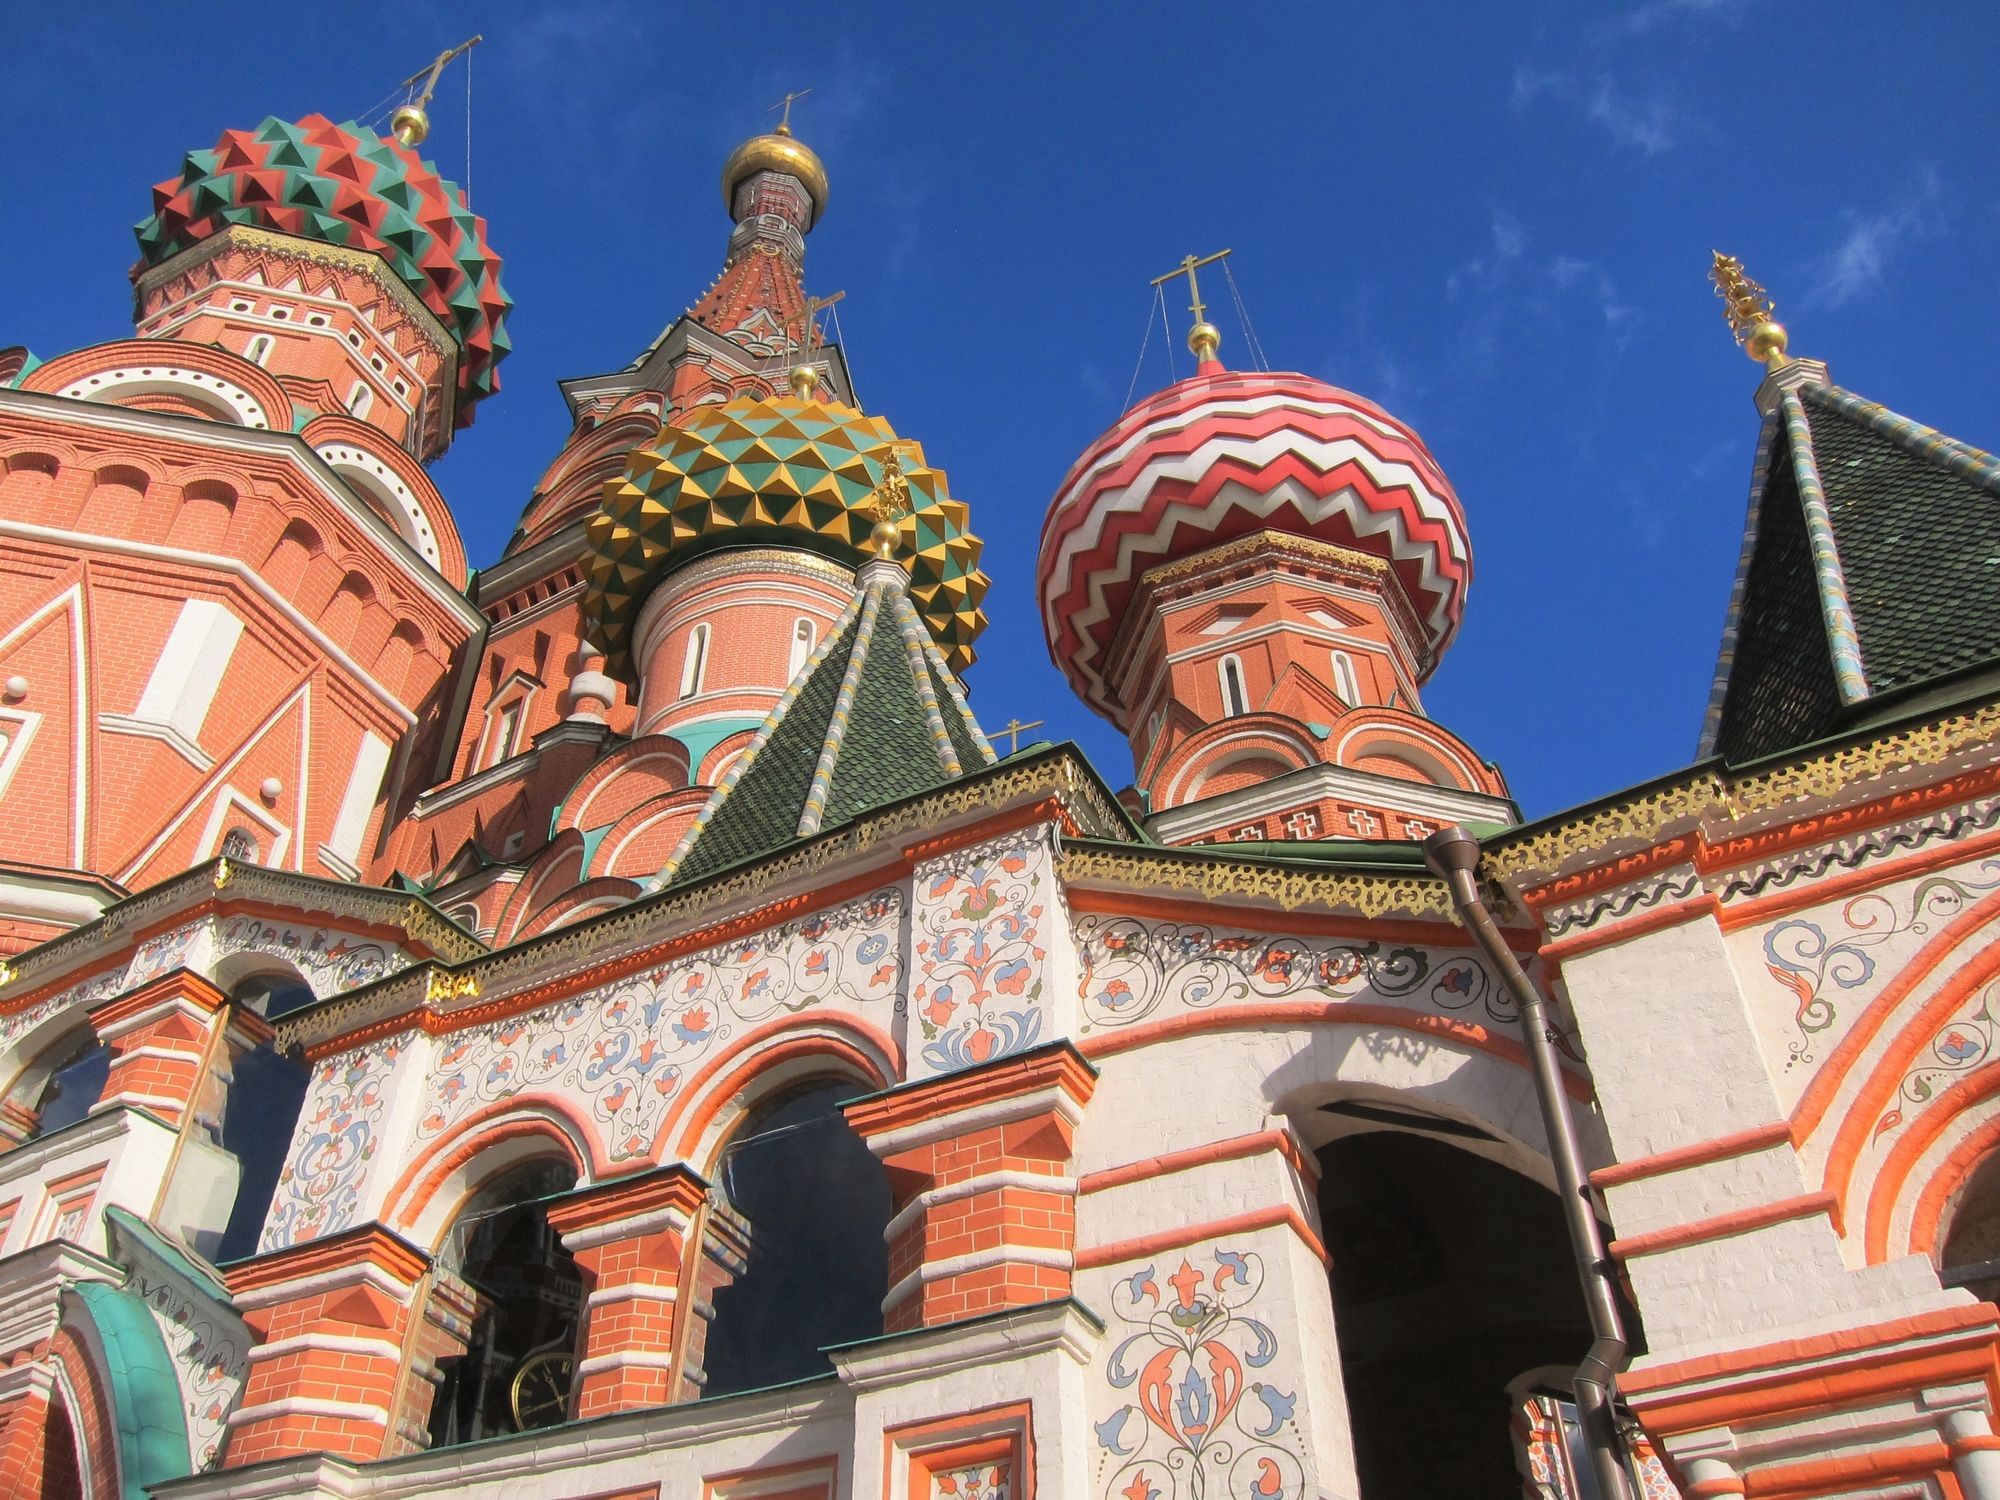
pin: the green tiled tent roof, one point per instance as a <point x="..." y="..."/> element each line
<point x="875" y="716"/>
<point x="1867" y="532"/>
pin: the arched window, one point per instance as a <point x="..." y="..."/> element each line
<point x="818" y="1205"/>
<point x="79" y="1066"/>
<point x="694" y="666"/>
<point x="1345" y="684"/>
<point x="359" y="400"/>
<point x="802" y="645"/>
<point x="519" y="1361"/>
<point x="259" y="349"/>
<point x="240" y="845"/>
<point x="1235" y="699"/>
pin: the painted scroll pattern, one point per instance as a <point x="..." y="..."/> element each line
<point x="1829" y="960"/>
<point x="624" y="1050"/>
<point x="974" y="1482"/>
<point x="86" y="994"/>
<point x="168" y="950"/>
<point x="337" y="1140"/>
<point x="981" y="951"/>
<point x="1133" y="970"/>
<point x="210" y="1358"/>
<point x="1191" y="1365"/>
<point x="331" y="962"/>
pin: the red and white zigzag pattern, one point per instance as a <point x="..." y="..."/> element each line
<point x="1218" y="456"/>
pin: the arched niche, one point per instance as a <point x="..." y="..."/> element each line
<point x="818" y="1206"/>
<point x="1968" y="1253"/>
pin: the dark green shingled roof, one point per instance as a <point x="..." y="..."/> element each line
<point x="881" y="743"/>
<point x="1915" y="524"/>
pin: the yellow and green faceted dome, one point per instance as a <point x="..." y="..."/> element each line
<point x="776" y="471"/>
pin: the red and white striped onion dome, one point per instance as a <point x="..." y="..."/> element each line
<point x="1226" y="453"/>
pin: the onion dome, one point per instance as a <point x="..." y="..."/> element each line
<point x="780" y="151"/>
<point x="344" y="185"/>
<point x="789" y="469"/>
<point x="1220" y="455"/>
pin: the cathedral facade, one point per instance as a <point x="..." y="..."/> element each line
<point x="615" y="1025"/>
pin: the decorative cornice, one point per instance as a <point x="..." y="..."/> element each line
<point x="219" y="882"/>
<point x="1243" y="881"/>
<point x="1561" y="851"/>
<point x="796" y="879"/>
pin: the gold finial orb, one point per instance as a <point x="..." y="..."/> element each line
<point x="885" y="538"/>
<point x="410" y="125"/>
<point x="779" y="151"/>
<point x="1203" y="340"/>
<point x="804" y="380"/>
<point x="1766" y="342"/>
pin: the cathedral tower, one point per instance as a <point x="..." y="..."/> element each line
<point x="1252" y="574"/>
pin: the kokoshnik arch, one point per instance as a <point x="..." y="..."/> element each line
<point x="619" y="1026"/>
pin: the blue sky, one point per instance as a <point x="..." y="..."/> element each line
<point x="1494" y="219"/>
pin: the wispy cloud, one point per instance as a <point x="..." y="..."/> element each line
<point x="1854" y="266"/>
<point x="1593" y="80"/>
<point x="1506" y="284"/>
<point x="1650" y="124"/>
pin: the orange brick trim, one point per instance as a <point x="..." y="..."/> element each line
<point x="669" y="1190"/>
<point x="519" y="1116"/>
<point x="176" y="984"/>
<point x="815" y="1477"/>
<point x="1058" y="1065"/>
<point x="1961" y="1325"/>
<point x="1693" y="909"/>
<point x="1047" y="810"/>
<point x="1233" y="1149"/>
<point x="1729" y="1484"/>
<point x="369" y="1245"/>
<point x="1241" y="1017"/>
<point x="992" y="1434"/>
<point x="1722" y="1148"/>
<point x="1937" y="1192"/>
<point x="1183" y="1235"/>
<point x="1825" y="1475"/>
<point x="1978" y="1442"/>
<point x="1836" y="887"/>
<point x="1629" y="867"/>
<point x="756" y="1052"/>
<point x="1720" y="1227"/>
<point x="1894" y="1173"/>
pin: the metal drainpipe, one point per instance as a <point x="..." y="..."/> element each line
<point x="1454" y="854"/>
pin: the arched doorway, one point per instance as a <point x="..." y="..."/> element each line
<point x="1451" y="1276"/>
<point x="1970" y="1254"/>
<point x="516" y="1371"/>
<point x="818" y="1204"/>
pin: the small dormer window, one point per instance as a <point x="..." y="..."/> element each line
<point x="259" y="350"/>
<point x="359" y="400"/>
<point x="802" y="645"/>
<point x="240" y="845"/>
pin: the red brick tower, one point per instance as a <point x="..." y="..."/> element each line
<point x="229" y="593"/>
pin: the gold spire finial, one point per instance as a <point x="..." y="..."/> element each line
<point x="1748" y="309"/>
<point x="410" y="124"/>
<point x="804" y="378"/>
<point x="1204" y="338"/>
<point x="889" y="502"/>
<point x="785" y="124"/>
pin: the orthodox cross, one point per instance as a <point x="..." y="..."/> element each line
<point x="804" y="318"/>
<point x="429" y="76"/>
<point x="1014" y="729"/>
<point x="1188" y="266"/>
<point x="785" y="125"/>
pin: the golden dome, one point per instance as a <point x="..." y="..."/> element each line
<point x="780" y="151"/>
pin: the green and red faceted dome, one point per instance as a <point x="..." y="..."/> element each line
<point x="344" y="185"/>
<point x="1226" y="453"/>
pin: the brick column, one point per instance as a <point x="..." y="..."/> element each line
<point x="444" y="1331"/>
<point x="24" y="1420"/>
<point x="980" y="1165"/>
<point x="159" y="1037"/>
<point x="646" y="1299"/>
<point x="18" y="1123"/>
<point x="331" y="1318"/>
